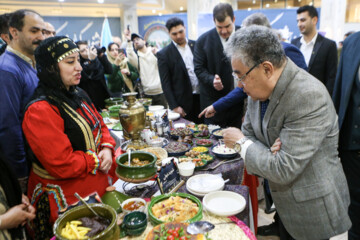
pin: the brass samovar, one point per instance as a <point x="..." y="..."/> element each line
<point x="132" y="116"/>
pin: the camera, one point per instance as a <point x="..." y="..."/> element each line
<point x="100" y="50"/>
<point x="121" y="50"/>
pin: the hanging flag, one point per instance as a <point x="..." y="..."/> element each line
<point x="106" y="36"/>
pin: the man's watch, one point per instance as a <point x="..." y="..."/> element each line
<point x="239" y="143"/>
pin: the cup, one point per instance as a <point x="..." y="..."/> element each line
<point x="186" y="169"/>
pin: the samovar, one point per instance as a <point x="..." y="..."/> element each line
<point x="132" y="116"/>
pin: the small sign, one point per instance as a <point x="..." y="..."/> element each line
<point x="168" y="177"/>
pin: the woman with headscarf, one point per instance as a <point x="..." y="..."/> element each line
<point x="69" y="146"/>
<point x="124" y="75"/>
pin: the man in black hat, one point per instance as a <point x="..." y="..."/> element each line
<point x="147" y="64"/>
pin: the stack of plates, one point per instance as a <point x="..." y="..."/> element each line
<point x="202" y="184"/>
<point x="224" y="203"/>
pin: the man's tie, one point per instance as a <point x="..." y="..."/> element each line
<point x="263" y="106"/>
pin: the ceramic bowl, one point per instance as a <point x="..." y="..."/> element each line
<point x="215" y="133"/>
<point x="113" y="101"/>
<point x="110" y="233"/>
<point x="155" y="221"/>
<point x="142" y="172"/>
<point x="114" y="111"/>
<point x="186" y="169"/>
<point x="140" y="209"/>
<point x="134" y="223"/>
<point x="114" y="198"/>
<point x="228" y="155"/>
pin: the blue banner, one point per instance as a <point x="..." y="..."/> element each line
<point x="84" y="28"/>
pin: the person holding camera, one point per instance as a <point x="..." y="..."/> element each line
<point x="124" y="75"/>
<point x="95" y="64"/>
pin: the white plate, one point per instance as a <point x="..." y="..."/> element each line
<point x="154" y="108"/>
<point x="224" y="203"/>
<point x="173" y="116"/>
<point x="205" y="183"/>
<point x="200" y="194"/>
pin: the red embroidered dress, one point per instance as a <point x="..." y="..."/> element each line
<point x="64" y="170"/>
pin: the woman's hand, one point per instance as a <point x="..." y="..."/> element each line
<point x="106" y="159"/>
<point x="119" y="59"/>
<point x="276" y="146"/>
<point x="15" y="216"/>
<point x="125" y="71"/>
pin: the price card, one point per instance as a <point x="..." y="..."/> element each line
<point x="168" y="177"/>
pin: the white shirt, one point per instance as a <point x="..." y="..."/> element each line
<point x="307" y="48"/>
<point x="149" y="73"/>
<point x="188" y="58"/>
<point x="223" y="40"/>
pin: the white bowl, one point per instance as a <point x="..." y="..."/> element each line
<point x="154" y="108"/>
<point x="186" y="168"/>
<point x="224" y="203"/>
<point x="141" y="209"/>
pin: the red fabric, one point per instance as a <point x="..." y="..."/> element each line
<point x="43" y="127"/>
<point x="252" y="182"/>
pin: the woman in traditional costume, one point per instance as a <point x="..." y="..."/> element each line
<point x="69" y="146"/>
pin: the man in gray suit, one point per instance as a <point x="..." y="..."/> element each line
<point x="306" y="179"/>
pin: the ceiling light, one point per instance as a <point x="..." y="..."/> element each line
<point x="153" y="11"/>
<point x="310" y="3"/>
<point x="267" y="5"/>
<point x="100" y="1"/>
<point x="181" y="8"/>
<point x="61" y="0"/>
<point x="254" y="1"/>
<point x="160" y="14"/>
<point x="288" y="6"/>
<point x="299" y="0"/>
<point x="275" y="1"/>
<point x="249" y="9"/>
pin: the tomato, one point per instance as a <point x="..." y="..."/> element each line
<point x="175" y="234"/>
<point x="170" y="231"/>
<point x="177" y="229"/>
<point x="170" y="237"/>
<point x="183" y="238"/>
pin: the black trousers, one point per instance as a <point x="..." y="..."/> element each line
<point x="351" y="165"/>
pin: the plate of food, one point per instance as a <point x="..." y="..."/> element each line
<point x="178" y="207"/>
<point x="222" y="151"/>
<point x="176" y="230"/>
<point x="199" y="163"/>
<point x="159" y="152"/>
<point x="204" y="142"/>
<point x="202" y="134"/>
<point x="200" y="149"/>
<point x="217" y="133"/>
<point x="177" y="148"/>
<point x="180" y="132"/>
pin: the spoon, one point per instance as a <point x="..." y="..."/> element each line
<point x="129" y="157"/>
<point x="202" y="227"/>
<point x="86" y="204"/>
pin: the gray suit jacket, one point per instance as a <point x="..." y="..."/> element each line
<point x="306" y="178"/>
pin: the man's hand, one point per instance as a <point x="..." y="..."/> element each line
<point x="92" y="53"/>
<point x="231" y="136"/>
<point x="154" y="50"/>
<point x="217" y="83"/>
<point x="276" y="146"/>
<point x="127" y="34"/>
<point x="15" y="216"/>
<point x="106" y="156"/>
<point x="209" y="112"/>
<point x="180" y="110"/>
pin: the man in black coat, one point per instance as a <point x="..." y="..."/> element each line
<point x="320" y="53"/>
<point x="213" y="68"/>
<point x="346" y="99"/>
<point x="176" y="68"/>
<point x="95" y="64"/>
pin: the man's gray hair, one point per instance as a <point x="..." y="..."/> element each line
<point x="256" y="19"/>
<point x="255" y="44"/>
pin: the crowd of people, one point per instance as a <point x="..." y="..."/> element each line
<point x="291" y="111"/>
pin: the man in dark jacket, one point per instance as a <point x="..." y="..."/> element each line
<point x="346" y="99"/>
<point x="320" y="53"/>
<point x="95" y="64"/>
<point x="213" y="68"/>
<point x="176" y="68"/>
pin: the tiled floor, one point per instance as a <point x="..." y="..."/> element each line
<point x="266" y="219"/>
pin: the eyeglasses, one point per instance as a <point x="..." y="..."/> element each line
<point x="241" y="79"/>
